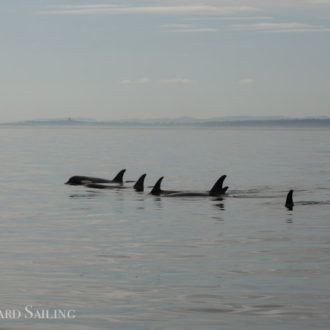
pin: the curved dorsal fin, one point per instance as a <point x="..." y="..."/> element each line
<point x="289" y="200"/>
<point x="156" y="188"/>
<point x="217" y="187"/>
<point x="139" y="185"/>
<point x="119" y="176"/>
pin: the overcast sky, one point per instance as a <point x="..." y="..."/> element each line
<point x="107" y="60"/>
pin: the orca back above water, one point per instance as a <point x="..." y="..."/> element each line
<point x="289" y="201"/>
<point x="83" y="180"/>
<point x="216" y="190"/>
<point x="157" y="191"/>
<point x="103" y="186"/>
<point x="139" y="185"/>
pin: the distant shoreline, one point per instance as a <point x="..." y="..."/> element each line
<point x="286" y="122"/>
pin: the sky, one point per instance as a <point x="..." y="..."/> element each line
<point x="110" y="60"/>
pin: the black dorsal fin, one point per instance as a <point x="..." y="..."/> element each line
<point x="217" y="187"/>
<point x="156" y="188"/>
<point x="139" y="185"/>
<point x="119" y="176"/>
<point x="289" y="200"/>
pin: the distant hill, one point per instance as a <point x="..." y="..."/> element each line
<point x="229" y="121"/>
<point x="294" y="122"/>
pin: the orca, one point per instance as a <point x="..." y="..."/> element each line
<point x="198" y="193"/>
<point x="83" y="180"/>
<point x="289" y="204"/>
<point x="216" y="190"/>
<point x="139" y="185"/>
<point x="289" y="201"/>
<point x="157" y="191"/>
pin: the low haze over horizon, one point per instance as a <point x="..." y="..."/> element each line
<point x="111" y="60"/>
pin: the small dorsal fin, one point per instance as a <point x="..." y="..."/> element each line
<point x="119" y="176"/>
<point x="139" y="185"/>
<point x="289" y="200"/>
<point x="156" y="188"/>
<point x="217" y="187"/>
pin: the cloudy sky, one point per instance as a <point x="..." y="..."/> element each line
<point x="107" y="59"/>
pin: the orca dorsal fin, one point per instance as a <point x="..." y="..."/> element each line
<point x="119" y="176"/>
<point x="156" y="188"/>
<point x="289" y="200"/>
<point x="217" y="187"/>
<point x="139" y="185"/>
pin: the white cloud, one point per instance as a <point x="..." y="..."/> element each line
<point x="319" y="2"/>
<point x="279" y="27"/>
<point x="141" y="81"/>
<point x="146" y="80"/>
<point x="186" y="28"/>
<point x="208" y="10"/>
<point x="246" y="18"/>
<point x="230" y="18"/>
<point x="279" y="3"/>
<point x="131" y="9"/>
<point x="183" y="81"/>
<point x="246" y="81"/>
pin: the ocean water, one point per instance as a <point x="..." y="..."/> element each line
<point x="118" y="259"/>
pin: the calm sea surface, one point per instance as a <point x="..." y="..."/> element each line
<point x="127" y="260"/>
